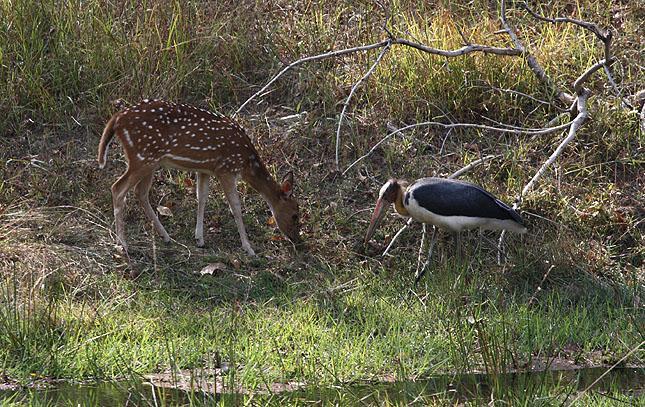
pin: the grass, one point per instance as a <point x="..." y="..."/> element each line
<point x="335" y="314"/>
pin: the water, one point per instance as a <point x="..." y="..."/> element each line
<point x="544" y="386"/>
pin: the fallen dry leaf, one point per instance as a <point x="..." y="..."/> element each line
<point x="212" y="269"/>
<point x="164" y="211"/>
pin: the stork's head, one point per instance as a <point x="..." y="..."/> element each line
<point x="389" y="194"/>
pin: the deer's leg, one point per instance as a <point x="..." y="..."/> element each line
<point x="202" y="195"/>
<point x="142" y="190"/>
<point x="119" y="192"/>
<point x="229" y="184"/>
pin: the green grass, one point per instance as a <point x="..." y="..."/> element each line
<point x="334" y="314"/>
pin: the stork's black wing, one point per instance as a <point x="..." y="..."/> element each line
<point x="448" y="197"/>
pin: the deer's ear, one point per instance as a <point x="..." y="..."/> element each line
<point x="287" y="184"/>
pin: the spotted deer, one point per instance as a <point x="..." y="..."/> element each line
<point x="157" y="133"/>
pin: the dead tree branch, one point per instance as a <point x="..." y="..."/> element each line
<point x="349" y="97"/>
<point x="577" y="85"/>
<point x="467" y="49"/>
<point x="309" y="59"/>
<point x="534" y="132"/>
<point x="583" y="114"/>
<point x="535" y="66"/>
<point x="604" y="36"/>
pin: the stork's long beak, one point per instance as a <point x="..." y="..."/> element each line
<point x="379" y="213"/>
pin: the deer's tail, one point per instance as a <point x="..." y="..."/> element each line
<point x="106" y="139"/>
<point x="108" y="133"/>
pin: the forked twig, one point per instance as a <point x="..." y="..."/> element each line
<point x="309" y="59"/>
<point x="349" y="97"/>
<point x="534" y="132"/>
<point x="467" y="49"/>
<point x="604" y="36"/>
<point x="579" y="120"/>
<point x="530" y="59"/>
<point x="584" y="24"/>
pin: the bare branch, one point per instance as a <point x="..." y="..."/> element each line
<point x="396" y="236"/>
<point x="604" y="36"/>
<point x="530" y="59"/>
<point x="533" y="132"/>
<point x="579" y="120"/>
<point x="617" y="91"/>
<point x="447" y="53"/>
<point x="584" y="24"/>
<point x="309" y="59"/>
<point x="349" y="97"/>
<point x="472" y="165"/>
<point x="578" y="84"/>
<point x="582" y="116"/>
<point x="466" y="49"/>
<point x="515" y="92"/>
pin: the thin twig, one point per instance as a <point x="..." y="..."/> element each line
<point x="533" y="132"/>
<point x="396" y="236"/>
<point x="472" y="165"/>
<point x="582" y="116"/>
<point x="435" y="51"/>
<point x="544" y="102"/>
<point x="640" y="345"/>
<point x="539" y="287"/>
<point x="616" y="89"/>
<point x="577" y="85"/>
<point x="584" y="24"/>
<point x="466" y="49"/>
<point x="530" y="59"/>
<point x="309" y="59"/>
<point x="349" y="97"/>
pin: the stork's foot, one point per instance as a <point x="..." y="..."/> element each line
<point x="199" y="243"/>
<point x="248" y="249"/>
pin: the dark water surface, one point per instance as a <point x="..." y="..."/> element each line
<point x="544" y="386"/>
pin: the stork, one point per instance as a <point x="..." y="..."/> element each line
<point x="448" y="204"/>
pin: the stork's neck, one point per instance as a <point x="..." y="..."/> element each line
<point x="398" y="202"/>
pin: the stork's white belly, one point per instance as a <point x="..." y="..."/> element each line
<point x="459" y="223"/>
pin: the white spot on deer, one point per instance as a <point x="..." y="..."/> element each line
<point x="126" y="135"/>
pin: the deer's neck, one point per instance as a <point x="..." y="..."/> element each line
<point x="259" y="179"/>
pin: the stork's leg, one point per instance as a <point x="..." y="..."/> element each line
<point x="475" y="254"/>
<point x="421" y="246"/>
<point x="433" y="240"/>
<point x="458" y="245"/>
